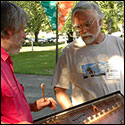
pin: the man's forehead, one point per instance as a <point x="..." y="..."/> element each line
<point x="83" y="16"/>
<point x="85" y="13"/>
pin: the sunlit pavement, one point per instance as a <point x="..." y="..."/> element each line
<point x="37" y="48"/>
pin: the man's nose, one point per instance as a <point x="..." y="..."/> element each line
<point x="84" y="30"/>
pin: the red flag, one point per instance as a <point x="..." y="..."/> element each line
<point x="64" y="9"/>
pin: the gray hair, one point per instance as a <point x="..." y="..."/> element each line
<point x="84" y="5"/>
<point x="12" y="17"/>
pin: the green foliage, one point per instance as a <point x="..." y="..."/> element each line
<point x="113" y="10"/>
<point x="37" y="19"/>
<point x="114" y="14"/>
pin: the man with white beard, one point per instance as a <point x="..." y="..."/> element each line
<point x="95" y="69"/>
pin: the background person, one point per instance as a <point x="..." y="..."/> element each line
<point x="94" y="69"/>
<point x="14" y="106"/>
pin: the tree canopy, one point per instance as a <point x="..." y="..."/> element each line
<point x="114" y="15"/>
<point x="37" y="19"/>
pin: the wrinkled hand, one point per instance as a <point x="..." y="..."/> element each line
<point x="41" y="104"/>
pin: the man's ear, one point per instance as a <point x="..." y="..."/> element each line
<point x="9" y="32"/>
<point x="6" y="34"/>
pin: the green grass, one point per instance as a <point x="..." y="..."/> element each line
<point x="41" y="63"/>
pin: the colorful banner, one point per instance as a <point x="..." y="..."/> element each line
<point x="64" y="7"/>
<point x="50" y="10"/>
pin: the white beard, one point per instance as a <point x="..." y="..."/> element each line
<point x="91" y="37"/>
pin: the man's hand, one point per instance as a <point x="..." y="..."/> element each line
<point x="41" y="104"/>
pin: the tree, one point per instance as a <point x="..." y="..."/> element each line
<point x="114" y="15"/>
<point x="37" y="19"/>
<point x="113" y="10"/>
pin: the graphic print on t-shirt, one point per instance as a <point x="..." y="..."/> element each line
<point x="102" y="68"/>
<point x="93" y="69"/>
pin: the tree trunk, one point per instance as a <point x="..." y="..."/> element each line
<point x="36" y="36"/>
<point x="70" y="37"/>
<point x="109" y="25"/>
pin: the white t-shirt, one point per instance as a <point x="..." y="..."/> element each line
<point x="93" y="71"/>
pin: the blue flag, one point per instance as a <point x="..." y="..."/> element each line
<point x="50" y="10"/>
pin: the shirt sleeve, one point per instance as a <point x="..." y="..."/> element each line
<point x="61" y="77"/>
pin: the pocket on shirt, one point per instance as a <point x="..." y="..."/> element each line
<point x="9" y="99"/>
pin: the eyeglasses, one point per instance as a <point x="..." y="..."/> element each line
<point x="86" y="26"/>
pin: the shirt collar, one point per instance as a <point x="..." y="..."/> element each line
<point x="5" y="56"/>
